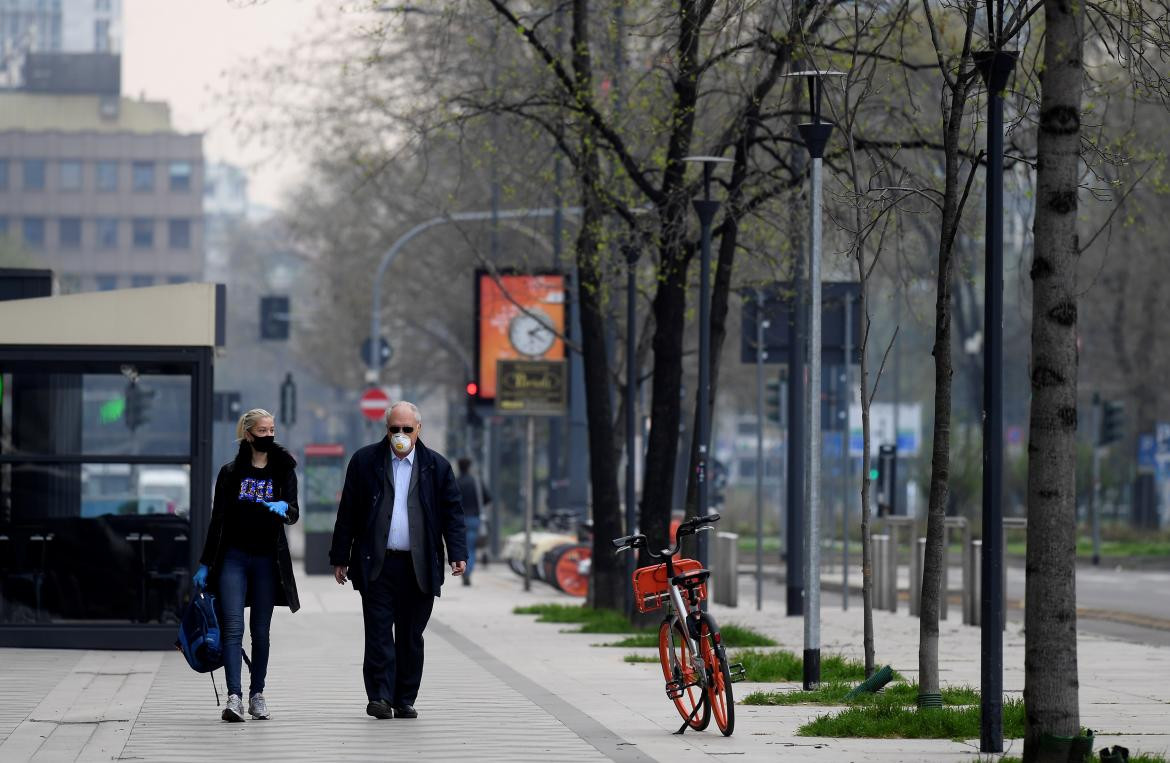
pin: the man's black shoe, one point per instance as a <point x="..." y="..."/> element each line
<point x="405" y="711"/>
<point x="380" y="709"/>
<point x="466" y="579"/>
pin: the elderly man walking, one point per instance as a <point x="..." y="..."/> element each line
<point x="399" y="508"/>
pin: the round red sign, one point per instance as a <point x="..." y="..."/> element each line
<point x="374" y="403"/>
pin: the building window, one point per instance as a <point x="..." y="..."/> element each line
<point x="34" y="174"/>
<point x="180" y="176"/>
<point x="107" y="233"/>
<point x="107" y="175"/>
<point x="101" y="6"/>
<point x="3" y="226"/>
<point x="139" y="280"/>
<point x="3" y="174"/>
<point x="101" y="36"/>
<point x="70" y="284"/>
<point x="33" y="229"/>
<point x="179" y="234"/>
<point x="143" y="176"/>
<point x="71" y="175"/>
<point x="106" y="283"/>
<point x="142" y="233"/>
<point x="69" y="233"/>
<point x="177" y="279"/>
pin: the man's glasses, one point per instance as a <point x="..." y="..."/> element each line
<point x="396" y="430"/>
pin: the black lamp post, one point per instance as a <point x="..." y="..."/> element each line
<point x="995" y="66"/>
<point x="815" y="135"/>
<point x="706" y="208"/>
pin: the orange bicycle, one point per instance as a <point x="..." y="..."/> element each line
<point x="694" y="661"/>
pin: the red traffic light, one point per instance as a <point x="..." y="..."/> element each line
<point x="472" y="389"/>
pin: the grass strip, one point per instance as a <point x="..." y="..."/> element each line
<point x="637" y="658"/>
<point x="779" y="665"/>
<point x="734" y="636"/>
<point x="891" y="721"/>
<point x="590" y="620"/>
<point x="834" y="693"/>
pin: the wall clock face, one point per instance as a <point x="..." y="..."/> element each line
<point x="531" y="333"/>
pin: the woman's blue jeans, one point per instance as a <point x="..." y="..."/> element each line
<point x="245" y="577"/>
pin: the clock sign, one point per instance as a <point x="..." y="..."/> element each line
<point x="531" y="333"/>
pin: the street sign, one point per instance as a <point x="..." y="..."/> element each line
<point x="531" y="387"/>
<point x="374" y="403"/>
<point x="385" y="351"/>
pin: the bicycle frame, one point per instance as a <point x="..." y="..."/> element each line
<point x="679" y="605"/>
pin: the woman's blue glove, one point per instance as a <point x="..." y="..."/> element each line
<point x="278" y="507"/>
<point x="200" y="577"/>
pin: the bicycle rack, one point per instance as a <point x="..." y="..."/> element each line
<point x="737" y="671"/>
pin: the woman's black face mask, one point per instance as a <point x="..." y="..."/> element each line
<point x="263" y="444"/>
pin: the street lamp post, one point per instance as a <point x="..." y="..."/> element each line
<point x="632" y="251"/>
<point x="815" y="135"/>
<point x="706" y="208"/>
<point x="995" y="66"/>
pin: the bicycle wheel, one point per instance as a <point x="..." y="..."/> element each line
<point x="719" y="695"/>
<point x="678" y="669"/>
<point x="571" y="570"/>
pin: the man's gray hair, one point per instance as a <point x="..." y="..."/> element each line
<point x="413" y="409"/>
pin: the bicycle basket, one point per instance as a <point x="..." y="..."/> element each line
<point x="651" y="585"/>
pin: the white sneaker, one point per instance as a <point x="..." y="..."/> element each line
<point x="257" y="707"/>
<point x="233" y="712"/>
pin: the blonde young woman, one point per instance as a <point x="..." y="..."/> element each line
<point x="245" y="559"/>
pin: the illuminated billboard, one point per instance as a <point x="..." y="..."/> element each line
<point x="521" y="317"/>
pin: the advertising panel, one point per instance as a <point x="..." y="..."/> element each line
<point x="521" y="317"/>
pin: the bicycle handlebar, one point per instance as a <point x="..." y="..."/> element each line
<point x="689" y="527"/>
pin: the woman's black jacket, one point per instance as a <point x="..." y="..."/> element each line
<point x="227" y="488"/>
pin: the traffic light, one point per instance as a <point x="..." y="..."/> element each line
<point x="138" y="403"/>
<point x="274" y="317"/>
<point x="226" y="406"/>
<point x="887" y="480"/>
<point x="473" y="417"/>
<point x="1112" y="422"/>
<point x="772" y="403"/>
<point x="288" y="401"/>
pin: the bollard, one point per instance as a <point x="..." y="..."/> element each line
<point x="726" y="567"/>
<point x="891" y="573"/>
<point x="880" y="542"/>
<point x="917" y="561"/>
<point x="976" y="580"/>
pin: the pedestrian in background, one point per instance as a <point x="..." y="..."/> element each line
<point x="246" y="558"/>
<point x="475" y="497"/>
<point x="400" y="505"/>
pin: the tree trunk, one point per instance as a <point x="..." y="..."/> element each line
<point x="1050" y="617"/>
<point x="952" y="209"/>
<point x="670" y="298"/>
<point x="608" y="583"/>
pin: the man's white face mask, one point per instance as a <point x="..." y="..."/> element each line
<point x="400" y="442"/>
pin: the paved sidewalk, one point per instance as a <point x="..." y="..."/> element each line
<point x="498" y="686"/>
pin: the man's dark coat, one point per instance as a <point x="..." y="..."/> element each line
<point x="360" y="533"/>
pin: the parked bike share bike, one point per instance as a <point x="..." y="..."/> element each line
<point x="694" y="662"/>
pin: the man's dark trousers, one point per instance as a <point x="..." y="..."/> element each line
<point x="395" y="612"/>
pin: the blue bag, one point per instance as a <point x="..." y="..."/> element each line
<point x="199" y="635"/>
<point x="200" y="639"/>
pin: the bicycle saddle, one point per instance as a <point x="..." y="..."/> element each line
<point x="695" y="577"/>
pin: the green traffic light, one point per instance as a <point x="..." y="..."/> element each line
<point x="112" y="410"/>
<point x="873" y="474"/>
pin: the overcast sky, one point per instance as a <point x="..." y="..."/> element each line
<point x="179" y="51"/>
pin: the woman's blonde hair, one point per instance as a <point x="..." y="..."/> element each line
<point x="249" y="419"/>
